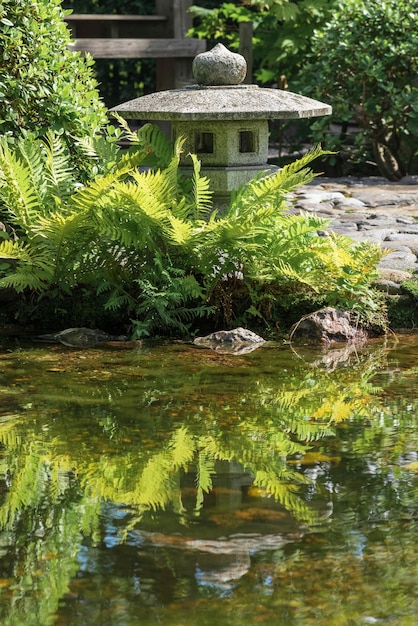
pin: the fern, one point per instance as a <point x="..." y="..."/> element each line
<point x="264" y="190"/>
<point x="20" y="185"/>
<point x="202" y="195"/>
<point x="34" y="269"/>
<point x="60" y="177"/>
<point x="150" y="140"/>
<point x="169" y="300"/>
<point x="151" y="240"/>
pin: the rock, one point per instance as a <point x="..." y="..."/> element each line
<point x="406" y="219"/>
<point x="399" y="260"/>
<point x="387" y="286"/>
<point x="318" y="196"/>
<point x="239" y="340"/>
<point x="350" y="203"/>
<point x="406" y="246"/>
<point x="79" y="337"/>
<point x="326" y="326"/>
<point x="396" y="276"/>
<point x="409" y="180"/>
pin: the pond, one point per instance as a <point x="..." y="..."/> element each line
<point x="171" y="485"/>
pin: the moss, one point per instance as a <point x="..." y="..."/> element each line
<point x="410" y="288"/>
<point x="402" y="311"/>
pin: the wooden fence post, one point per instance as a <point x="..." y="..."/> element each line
<point x="246" y="47"/>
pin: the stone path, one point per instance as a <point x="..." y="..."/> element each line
<point x="372" y="209"/>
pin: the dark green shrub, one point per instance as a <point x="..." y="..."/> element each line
<point x="43" y="84"/>
<point x="365" y="63"/>
<point x="119" y="79"/>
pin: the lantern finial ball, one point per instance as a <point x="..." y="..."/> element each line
<point x="219" y="67"/>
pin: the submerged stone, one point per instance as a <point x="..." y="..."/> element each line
<point x="239" y="340"/>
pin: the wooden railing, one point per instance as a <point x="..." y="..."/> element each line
<point x="161" y="37"/>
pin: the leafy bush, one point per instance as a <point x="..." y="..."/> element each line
<point x="365" y="63"/>
<point x="150" y="240"/>
<point x="43" y="84"/>
<point x="119" y="79"/>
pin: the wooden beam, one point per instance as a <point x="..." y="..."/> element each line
<point x="104" y="17"/>
<point x="139" y="48"/>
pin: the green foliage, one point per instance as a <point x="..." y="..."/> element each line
<point x="264" y="245"/>
<point x="150" y="241"/>
<point x="282" y="31"/>
<point x="109" y="234"/>
<point x="410" y="287"/>
<point x="403" y="308"/>
<point x="364" y="62"/>
<point x="402" y="312"/>
<point x="43" y="84"/>
<point x="119" y="80"/>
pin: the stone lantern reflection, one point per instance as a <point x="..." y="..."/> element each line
<point x="224" y="121"/>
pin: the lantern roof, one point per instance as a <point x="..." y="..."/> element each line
<point x="220" y="96"/>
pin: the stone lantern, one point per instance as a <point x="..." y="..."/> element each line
<point x="225" y="122"/>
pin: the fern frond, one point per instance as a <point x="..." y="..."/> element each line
<point x="202" y="194"/>
<point x="159" y="147"/>
<point x="179" y="232"/>
<point x="182" y="446"/>
<point x="154" y="143"/>
<point x="274" y="188"/>
<point x="87" y="197"/>
<point x="284" y="272"/>
<point x="152" y="191"/>
<point x="10" y="249"/>
<point x="127" y="132"/>
<point x="205" y="469"/>
<point x="367" y="255"/>
<point x="32" y="155"/>
<point x="171" y="170"/>
<point x="33" y="271"/>
<point x="118" y="299"/>
<point x="20" y="191"/>
<point x="61" y="237"/>
<point x="59" y="172"/>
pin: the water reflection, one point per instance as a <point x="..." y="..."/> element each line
<point x="167" y="475"/>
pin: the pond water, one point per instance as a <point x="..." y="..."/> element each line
<point x="179" y="486"/>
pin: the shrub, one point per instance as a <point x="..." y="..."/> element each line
<point x="119" y="79"/>
<point x="364" y="62"/>
<point x="43" y="84"/>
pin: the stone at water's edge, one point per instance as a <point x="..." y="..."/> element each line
<point x="326" y="326"/>
<point x="236" y="337"/>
